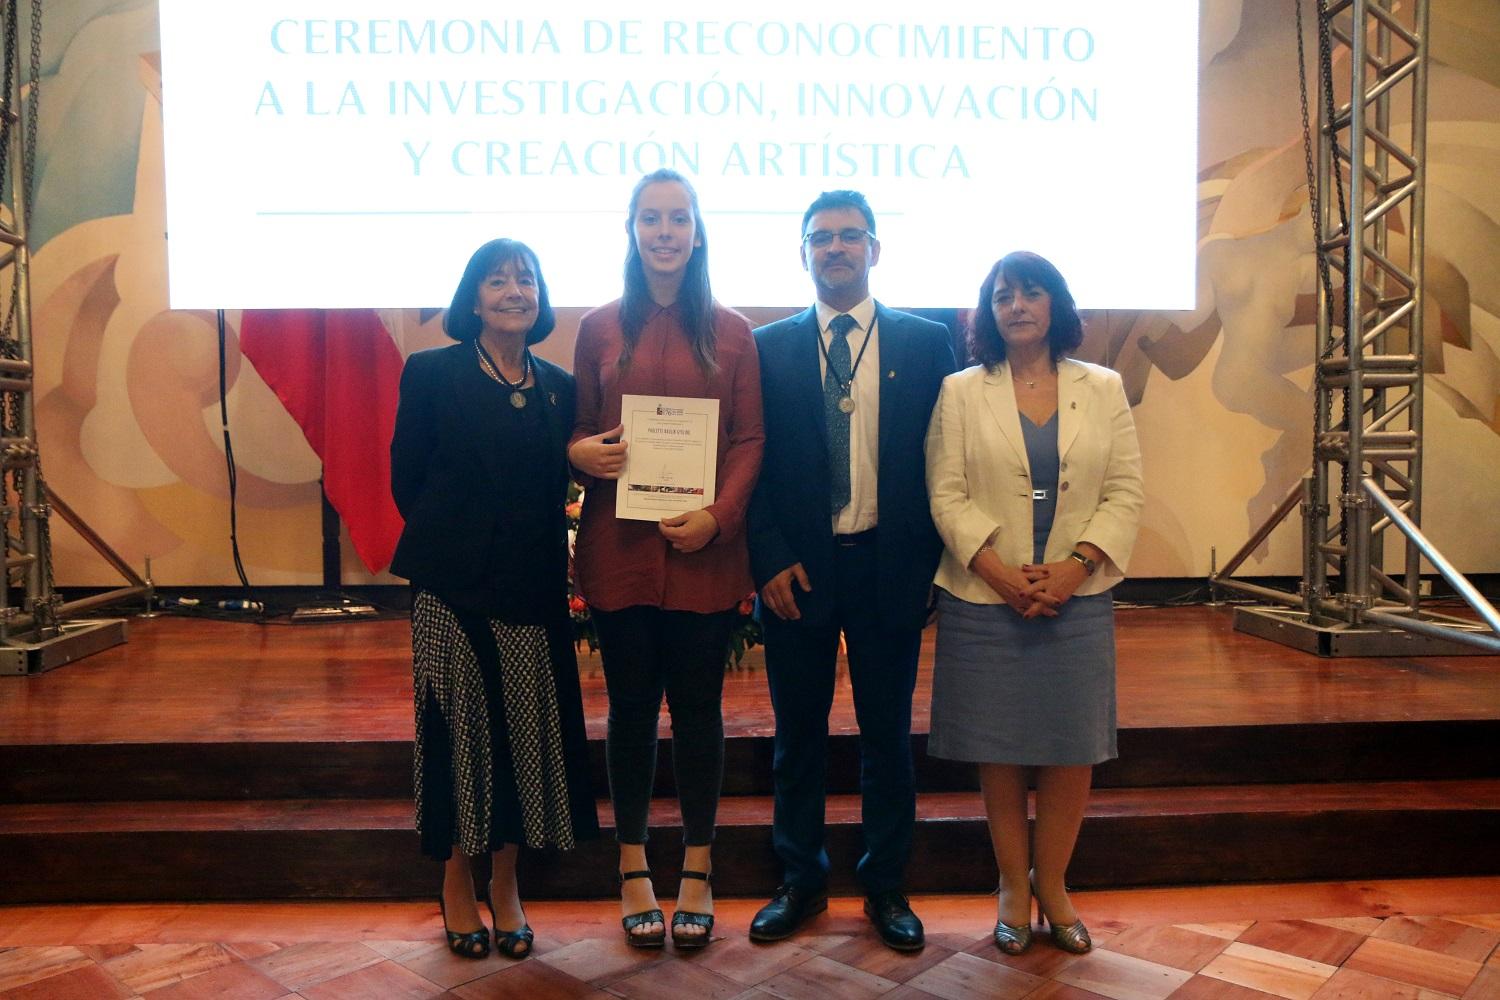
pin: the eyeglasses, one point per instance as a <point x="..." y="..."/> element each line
<point x="821" y="238"/>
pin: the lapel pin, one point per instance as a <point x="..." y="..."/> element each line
<point x="891" y="373"/>
<point x="552" y="398"/>
<point x="1073" y="406"/>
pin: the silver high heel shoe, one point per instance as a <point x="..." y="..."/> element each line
<point x="1074" y="938"/>
<point x="1011" y="939"/>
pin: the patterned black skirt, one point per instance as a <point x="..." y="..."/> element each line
<point x="500" y="754"/>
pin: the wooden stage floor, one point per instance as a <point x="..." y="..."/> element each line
<point x="193" y="680"/>
<point x="146" y="771"/>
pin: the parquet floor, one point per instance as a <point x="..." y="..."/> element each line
<point x="1416" y="940"/>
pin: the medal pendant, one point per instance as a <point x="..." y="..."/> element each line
<point x="518" y="399"/>
<point x="846" y="405"/>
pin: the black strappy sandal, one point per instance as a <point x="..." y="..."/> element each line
<point x="512" y="944"/>
<point x="474" y="944"/>
<point x="687" y="918"/>
<point x="634" y="920"/>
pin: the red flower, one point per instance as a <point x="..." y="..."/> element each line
<point x="573" y="510"/>
<point x="747" y="606"/>
<point x="577" y="605"/>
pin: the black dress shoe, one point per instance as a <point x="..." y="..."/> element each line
<point x="780" y="918"/>
<point x="891" y="914"/>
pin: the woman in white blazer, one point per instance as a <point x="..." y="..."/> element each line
<point x="1034" y="475"/>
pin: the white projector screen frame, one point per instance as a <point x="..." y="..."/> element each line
<point x="352" y="153"/>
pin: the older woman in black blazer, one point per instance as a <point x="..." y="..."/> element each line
<point x="479" y="472"/>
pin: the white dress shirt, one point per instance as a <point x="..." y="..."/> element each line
<point x="864" y="422"/>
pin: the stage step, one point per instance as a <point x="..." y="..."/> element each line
<point x="1149" y="757"/>
<point x="365" y="848"/>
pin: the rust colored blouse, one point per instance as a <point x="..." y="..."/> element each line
<point x="621" y="563"/>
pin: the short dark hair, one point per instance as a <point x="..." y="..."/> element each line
<point x="1022" y="269"/>
<point x="461" y="323"/>
<point x="839" y="199"/>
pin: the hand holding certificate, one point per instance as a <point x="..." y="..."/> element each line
<point x="674" y="447"/>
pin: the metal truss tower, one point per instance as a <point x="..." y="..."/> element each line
<point x="34" y="634"/>
<point x="1361" y="584"/>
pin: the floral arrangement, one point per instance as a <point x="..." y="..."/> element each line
<point x="746" y="633"/>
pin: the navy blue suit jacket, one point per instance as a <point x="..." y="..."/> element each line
<point x="790" y="517"/>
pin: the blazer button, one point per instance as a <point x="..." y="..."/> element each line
<point x="1062" y="467"/>
<point x="1063" y="485"/>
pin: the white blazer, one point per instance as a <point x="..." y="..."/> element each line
<point x="979" y="480"/>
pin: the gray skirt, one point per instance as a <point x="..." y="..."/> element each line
<point x="1010" y="691"/>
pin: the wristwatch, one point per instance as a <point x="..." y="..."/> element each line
<point x="1088" y="564"/>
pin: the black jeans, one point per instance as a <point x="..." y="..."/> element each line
<point x="647" y="652"/>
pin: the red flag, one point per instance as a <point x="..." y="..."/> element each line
<point x="338" y="373"/>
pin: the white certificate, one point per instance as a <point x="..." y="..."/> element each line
<point x="669" y="466"/>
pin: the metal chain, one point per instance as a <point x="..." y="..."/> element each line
<point x="45" y="617"/>
<point x="9" y="402"/>
<point x="12" y="54"/>
<point x="34" y="104"/>
<point x="1325" y="67"/>
<point x="21" y="178"/>
<point x="1314" y="200"/>
<point x="7" y="80"/>
<point x="28" y="134"/>
<point x="1337" y="310"/>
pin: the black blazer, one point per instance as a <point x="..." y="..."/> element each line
<point x="446" y="459"/>
<point x="790" y="520"/>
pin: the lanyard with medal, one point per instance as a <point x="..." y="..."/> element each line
<point x="846" y="385"/>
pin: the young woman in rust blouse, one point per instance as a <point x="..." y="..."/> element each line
<point x="664" y="595"/>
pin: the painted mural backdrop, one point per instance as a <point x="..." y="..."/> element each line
<point x="128" y="390"/>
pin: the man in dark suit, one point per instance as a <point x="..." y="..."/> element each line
<point x="841" y="540"/>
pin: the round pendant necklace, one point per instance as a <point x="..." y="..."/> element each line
<point x="517" y="397"/>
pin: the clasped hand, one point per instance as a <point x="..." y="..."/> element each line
<point x="1051" y="585"/>
<point x="1038" y="589"/>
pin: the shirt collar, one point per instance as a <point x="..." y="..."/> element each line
<point x="864" y="314"/>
